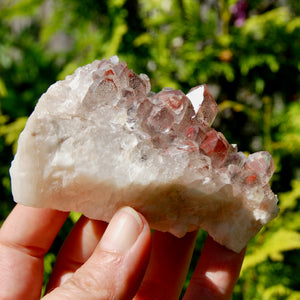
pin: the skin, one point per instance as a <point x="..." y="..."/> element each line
<point x="121" y="260"/>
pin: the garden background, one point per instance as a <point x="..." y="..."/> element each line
<point x="246" y="51"/>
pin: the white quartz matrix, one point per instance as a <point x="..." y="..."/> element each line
<point x="100" y="140"/>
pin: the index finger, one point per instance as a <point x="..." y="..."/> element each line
<point x="25" y="237"/>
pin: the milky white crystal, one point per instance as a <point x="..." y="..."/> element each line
<point x="100" y="139"/>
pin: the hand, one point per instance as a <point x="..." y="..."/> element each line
<point x="121" y="261"/>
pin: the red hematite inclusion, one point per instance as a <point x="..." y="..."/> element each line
<point x="262" y="164"/>
<point x="215" y="146"/>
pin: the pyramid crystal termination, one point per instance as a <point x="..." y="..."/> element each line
<point x="100" y="140"/>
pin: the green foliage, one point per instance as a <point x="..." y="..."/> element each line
<point x="251" y="69"/>
<point x="288" y="139"/>
<point x="290" y="200"/>
<point x="11" y="131"/>
<point x="49" y="262"/>
<point x="281" y="241"/>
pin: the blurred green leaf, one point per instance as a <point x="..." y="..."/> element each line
<point x="12" y="131"/>
<point x="74" y="216"/>
<point x="280" y="291"/>
<point x="291" y="199"/>
<point x="11" y="9"/>
<point x="3" y="90"/>
<point x="293" y="25"/>
<point x="273" y="247"/>
<point x="251" y="61"/>
<point x="144" y="39"/>
<point x="258" y="25"/>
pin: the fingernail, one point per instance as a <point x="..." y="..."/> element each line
<point x="122" y="231"/>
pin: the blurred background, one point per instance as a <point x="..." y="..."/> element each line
<point x="246" y="51"/>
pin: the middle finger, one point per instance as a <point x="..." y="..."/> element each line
<point x="169" y="262"/>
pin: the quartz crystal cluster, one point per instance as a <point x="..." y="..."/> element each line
<point x="100" y="139"/>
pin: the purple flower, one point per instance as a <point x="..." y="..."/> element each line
<point x="239" y="12"/>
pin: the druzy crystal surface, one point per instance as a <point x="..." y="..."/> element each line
<point x="100" y="139"/>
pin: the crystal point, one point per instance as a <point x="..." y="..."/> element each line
<point x="204" y="104"/>
<point x="100" y="139"/>
<point x="262" y="164"/>
<point x="215" y="146"/>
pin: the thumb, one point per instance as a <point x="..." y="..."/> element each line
<point x="117" y="266"/>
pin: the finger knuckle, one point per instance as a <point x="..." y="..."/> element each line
<point x="99" y="280"/>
